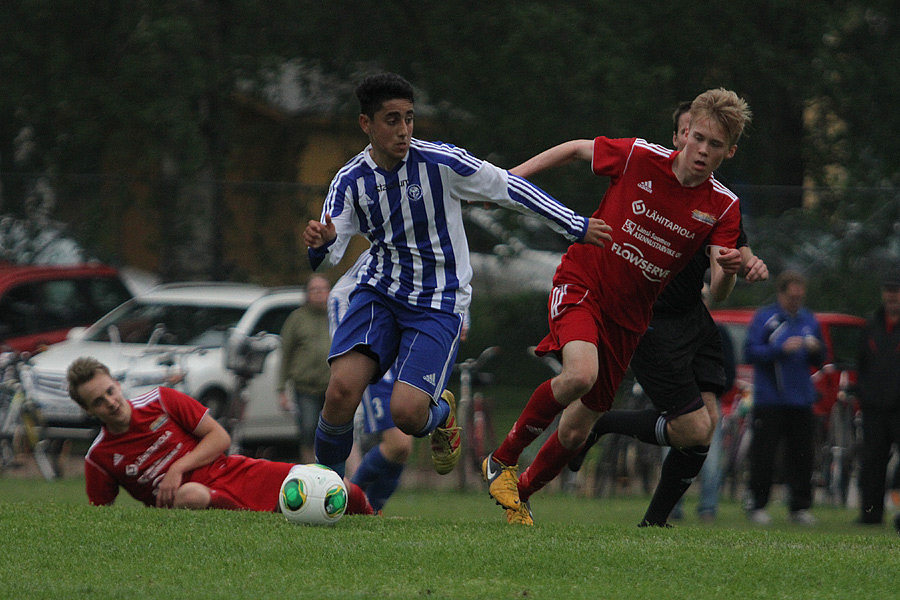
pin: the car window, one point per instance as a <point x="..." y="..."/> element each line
<point x="43" y="306"/>
<point x="104" y="295"/>
<point x="167" y="324"/>
<point x="845" y="342"/>
<point x="63" y="305"/>
<point x="272" y="321"/>
<point x="20" y="311"/>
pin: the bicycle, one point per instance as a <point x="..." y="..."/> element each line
<point x="842" y="443"/>
<point x="245" y="356"/>
<point x="473" y="412"/>
<point x="20" y="418"/>
<point x="737" y="432"/>
<point x="624" y="460"/>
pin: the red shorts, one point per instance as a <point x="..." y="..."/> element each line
<point x="246" y="483"/>
<point x="574" y="315"/>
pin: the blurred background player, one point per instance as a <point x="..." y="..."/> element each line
<point x="412" y="293"/>
<point x="166" y="450"/>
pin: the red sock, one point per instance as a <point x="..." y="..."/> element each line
<point x="548" y="463"/>
<point x="357" y="501"/>
<point x="537" y="415"/>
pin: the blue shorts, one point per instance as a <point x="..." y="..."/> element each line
<point x="422" y="341"/>
<point x="376" y="404"/>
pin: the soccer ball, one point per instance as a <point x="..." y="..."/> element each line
<point x="313" y="495"/>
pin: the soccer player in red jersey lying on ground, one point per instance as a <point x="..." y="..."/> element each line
<point x="166" y="450"/>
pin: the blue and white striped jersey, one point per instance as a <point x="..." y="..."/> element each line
<point x="412" y="216"/>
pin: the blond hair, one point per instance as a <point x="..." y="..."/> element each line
<point x="80" y="372"/>
<point x="724" y="107"/>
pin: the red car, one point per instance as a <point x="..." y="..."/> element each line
<point x="39" y="304"/>
<point x="841" y="333"/>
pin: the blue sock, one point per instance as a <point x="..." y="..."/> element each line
<point x="378" y="477"/>
<point x="437" y="414"/>
<point x="333" y="444"/>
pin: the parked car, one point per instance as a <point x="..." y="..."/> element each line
<point x="841" y="333"/>
<point x="39" y="304"/>
<point x="173" y="335"/>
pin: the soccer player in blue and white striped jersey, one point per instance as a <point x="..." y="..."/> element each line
<point x="405" y="196"/>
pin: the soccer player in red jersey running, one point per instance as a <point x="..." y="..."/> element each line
<point x="166" y="450"/>
<point x="662" y="206"/>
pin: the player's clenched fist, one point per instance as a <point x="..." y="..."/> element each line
<point x="317" y="234"/>
<point x="729" y="259"/>
<point x="597" y="232"/>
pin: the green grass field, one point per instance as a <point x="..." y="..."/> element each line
<point x="430" y="544"/>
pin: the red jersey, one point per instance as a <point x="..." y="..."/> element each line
<point x="657" y="227"/>
<point x="162" y="425"/>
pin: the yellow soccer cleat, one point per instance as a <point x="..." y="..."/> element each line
<point x="446" y="443"/>
<point x="503" y="482"/>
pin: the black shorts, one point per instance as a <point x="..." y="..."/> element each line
<point x="679" y="357"/>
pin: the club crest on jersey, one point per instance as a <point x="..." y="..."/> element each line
<point x="414" y="192"/>
<point x="159" y="422"/>
<point x="703" y="217"/>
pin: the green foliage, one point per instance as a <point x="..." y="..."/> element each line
<point x="856" y="94"/>
<point x="429" y="544"/>
<point x="120" y="84"/>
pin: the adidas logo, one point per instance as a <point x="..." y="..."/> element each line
<point x="431" y="378"/>
<point x="647" y="186"/>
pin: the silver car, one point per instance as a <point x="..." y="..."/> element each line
<point x="174" y="335"/>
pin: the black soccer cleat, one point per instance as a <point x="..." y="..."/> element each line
<point x="646" y="523"/>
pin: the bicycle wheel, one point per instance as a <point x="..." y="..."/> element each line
<point x="841" y="436"/>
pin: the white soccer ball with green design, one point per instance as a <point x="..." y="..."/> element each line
<point x="313" y="495"/>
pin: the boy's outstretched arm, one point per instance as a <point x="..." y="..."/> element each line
<point x="556" y="156"/>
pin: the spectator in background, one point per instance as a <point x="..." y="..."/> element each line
<point x="783" y="341"/>
<point x="303" y="373"/>
<point x="879" y="398"/>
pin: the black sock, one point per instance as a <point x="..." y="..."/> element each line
<point x="646" y="425"/>
<point x="678" y="472"/>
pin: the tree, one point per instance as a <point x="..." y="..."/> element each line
<point x="128" y="86"/>
<point x="139" y="87"/>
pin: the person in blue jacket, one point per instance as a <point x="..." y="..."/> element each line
<point x="783" y="342"/>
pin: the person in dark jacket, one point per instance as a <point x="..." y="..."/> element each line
<point x="879" y="398"/>
<point x="783" y="341"/>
